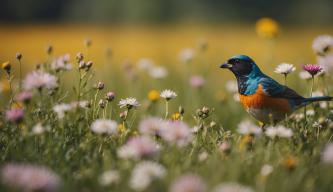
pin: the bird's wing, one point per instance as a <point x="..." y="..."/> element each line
<point x="275" y="89"/>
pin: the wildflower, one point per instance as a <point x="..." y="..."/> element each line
<point x="61" y="63"/>
<point x="150" y="126"/>
<point x="109" y="177"/>
<point x="312" y="69"/>
<point x="267" y="28"/>
<point x="231" y="86"/>
<point x="290" y="162"/>
<point x="310" y="112"/>
<point x="30" y="177"/>
<point x="158" y="72"/>
<point x="79" y="57"/>
<point x="104" y="126"/>
<point x="176" y="132"/>
<point x="285" y="68"/>
<point x="322" y="44"/>
<point x="203" y="156"/>
<point x="327" y="154"/>
<point x="279" y="131"/>
<point x="248" y="128"/>
<point x="49" y="49"/>
<point x="168" y="94"/>
<point x="137" y="147"/>
<point x="224" y="147"/>
<point x="188" y="183"/>
<point x="110" y="96"/>
<point x="88" y="65"/>
<point x="186" y="55"/>
<point x="39" y="80"/>
<point x="266" y="170"/>
<point x="145" y="64"/>
<point x="15" y="115"/>
<point x="304" y="75"/>
<point x="7" y="67"/>
<point x="175" y="116"/>
<point x="144" y="174"/>
<point x="18" y="56"/>
<point x="61" y="109"/>
<point x="232" y="187"/>
<point x="100" y="85"/>
<point x="153" y="95"/>
<point x="39" y="129"/>
<point x="24" y="97"/>
<point x="102" y="103"/>
<point x="246" y="142"/>
<point x="129" y="103"/>
<point x="203" y="113"/>
<point x="197" y="81"/>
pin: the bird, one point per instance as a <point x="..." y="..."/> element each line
<point x="262" y="97"/>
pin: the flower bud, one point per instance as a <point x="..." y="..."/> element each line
<point x="110" y="96"/>
<point x="18" y="56"/>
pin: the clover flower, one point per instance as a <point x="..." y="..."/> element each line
<point x="104" y="126"/>
<point x="15" y="115"/>
<point x="312" y="69"/>
<point x="30" y="177"/>
<point x="197" y="81"/>
<point x="129" y="103"/>
<point x="144" y="174"/>
<point x="188" y="182"/>
<point x="39" y="80"/>
<point x="137" y="147"/>
<point x="322" y="44"/>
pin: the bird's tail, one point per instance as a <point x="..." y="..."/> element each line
<point x="321" y="98"/>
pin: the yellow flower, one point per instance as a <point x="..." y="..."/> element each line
<point x="4" y="86"/>
<point x="175" y="116"/>
<point x="267" y="28"/>
<point x="121" y="129"/>
<point x="153" y="95"/>
<point x="17" y="105"/>
<point x="6" y="66"/>
<point x="290" y="162"/>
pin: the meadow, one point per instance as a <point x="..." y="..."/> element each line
<point x="132" y="108"/>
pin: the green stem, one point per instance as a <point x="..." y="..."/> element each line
<point x="166" y="109"/>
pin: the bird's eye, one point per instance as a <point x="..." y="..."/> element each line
<point x="237" y="61"/>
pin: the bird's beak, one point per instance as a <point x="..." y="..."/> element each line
<point x="226" y="66"/>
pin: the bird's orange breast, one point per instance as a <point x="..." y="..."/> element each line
<point x="260" y="100"/>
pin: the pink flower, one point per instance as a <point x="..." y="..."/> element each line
<point x="176" y="132"/>
<point x="110" y="96"/>
<point x="186" y="183"/>
<point x="39" y="80"/>
<point x="137" y="147"/>
<point x="15" y="115"/>
<point x="312" y="69"/>
<point x="150" y="126"/>
<point x="30" y="178"/>
<point x="24" y="96"/>
<point x="197" y="81"/>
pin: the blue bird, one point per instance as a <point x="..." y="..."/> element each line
<point x="262" y="97"/>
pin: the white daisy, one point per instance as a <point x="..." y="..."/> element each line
<point x="186" y="55"/>
<point x="61" y="109"/>
<point x="247" y="127"/>
<point x="322" y="44"/>
<point x="109" y="177"/>
<point x="158" y="72"/>
<point x="327" y="154"/>
<point x="104" y="126"/>
<point x="168" y="94"/>
<point x="285" y="68"/>
<point x="144" y="174"/>
<point x="39" y="80"/>
<point x="279" y="131"/>
<point x="129" y="103"/>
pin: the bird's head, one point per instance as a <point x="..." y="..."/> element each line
<point x="241" y="65"/>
